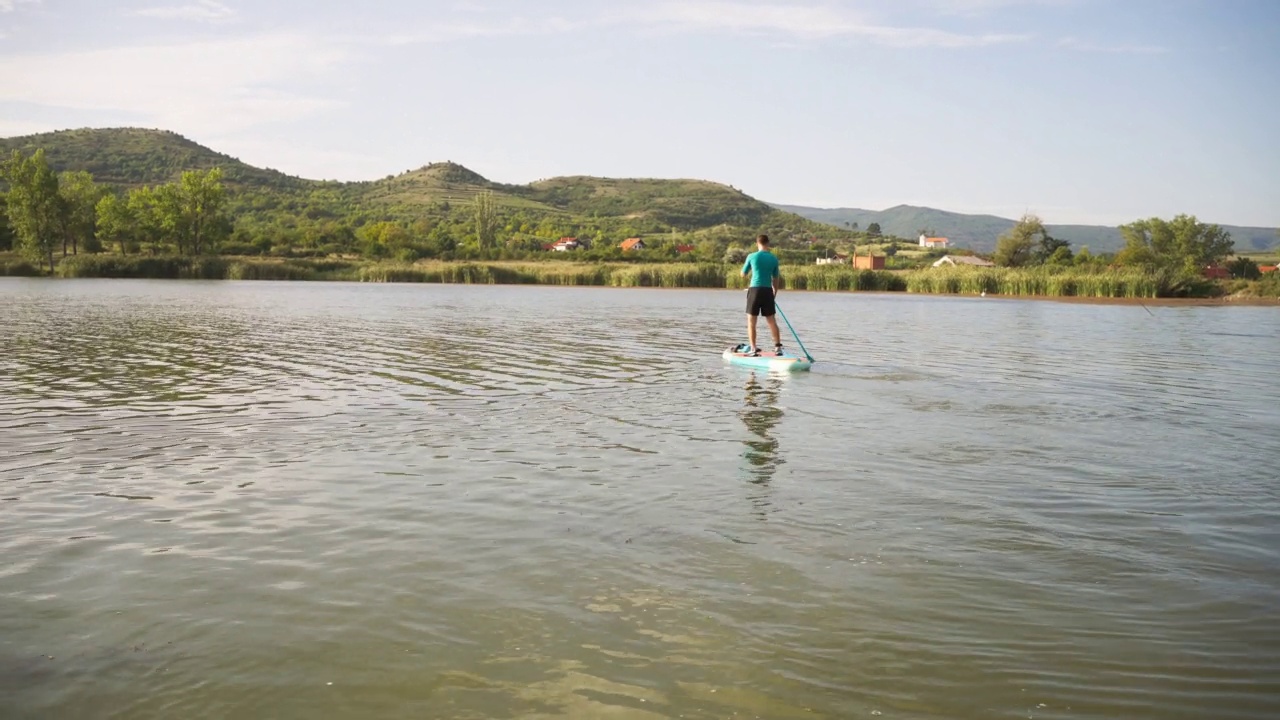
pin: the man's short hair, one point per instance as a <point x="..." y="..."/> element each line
<point x="763" y="239"/>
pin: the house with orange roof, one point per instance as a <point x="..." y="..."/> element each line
<point x="933" y="242"/>
<point x="631" y="244"/>
<point x="564" y="244"/>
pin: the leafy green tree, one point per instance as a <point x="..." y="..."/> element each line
<point x="735" y="255"/>
<point x="33" y="205"/>
<point x="486" y="220"/>
<point x="198" y="200"/>
<point x="873" y="229"/>
<point x="1244" y="268"/>
<point x="1051" y="250"/>
<point x="1016" y="247"/>
<point x="148" y="219"/>
<point x="78" y="197"/>
<point x="1182" y="243"/>
<point x="6" y="232"/>
<point x="1061" y="257"/>
<point x="115" y="221"/>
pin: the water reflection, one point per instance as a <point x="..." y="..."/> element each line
<point x="760" y="413"/>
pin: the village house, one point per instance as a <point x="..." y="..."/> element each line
<point x="631" y="244"/>
<point x="861" y="262"/>
<point x="933" y="242"/>
<point x="564" y="244"/>
<point x="1264" y="269"/>
<point x="868" y="261"/>
<point x="684" y="249"/>
<point x="954" y="260"/>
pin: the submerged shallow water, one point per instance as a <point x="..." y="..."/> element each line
<point x="333" y="500"/>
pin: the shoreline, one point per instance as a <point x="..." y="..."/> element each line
<point x="1225" y="301"/>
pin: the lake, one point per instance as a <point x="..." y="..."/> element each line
<point x="253" y="500"/>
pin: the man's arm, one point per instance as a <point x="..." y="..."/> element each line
<point x="777" y="281"/>
<point x="746" y="267"/>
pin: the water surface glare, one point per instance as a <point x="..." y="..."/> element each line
<point x="244" y="500"/>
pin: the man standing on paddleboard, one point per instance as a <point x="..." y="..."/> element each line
<point x="762" y="266"/>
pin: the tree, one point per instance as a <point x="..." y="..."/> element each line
<point x="148" y="223"/>
<point x="33" y="205"/>
<point x="78" y="199"/>
<point x="1051" y="250"/>
<point x="115" y="221"/>
<point x="873" y="229"/>
<point x="1183" y="243"/>
<point x="1244" y="268"/>
<point x="1061" y="256"/>
<point x="196" y="203"/>
<point x="486" y="220"/>
<point x="735" y="255"/>
<point x="1016" y="247"/>
<point x="6" y="232"/>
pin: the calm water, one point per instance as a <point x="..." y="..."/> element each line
<point x="259" y="500"/>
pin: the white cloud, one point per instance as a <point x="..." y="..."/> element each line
<point x="1129" y="49"/>
<point x="805" y="21"/>
<point x="212" y="87"/>
<point x="11" y="5"/>
<point x="199" y="10"/>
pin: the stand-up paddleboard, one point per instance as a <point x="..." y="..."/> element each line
<point x="739" y="355"/>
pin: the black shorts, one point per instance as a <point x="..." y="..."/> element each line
<point x="760" y="301"/>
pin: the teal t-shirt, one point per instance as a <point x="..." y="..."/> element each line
<point x="764" y="268"/>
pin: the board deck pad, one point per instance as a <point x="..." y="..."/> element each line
<point x="766" y="359"/>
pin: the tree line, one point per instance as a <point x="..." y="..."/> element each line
<point x="1183" y="244"/>
<point x="194" y="215"/>
<point x="45" y="209"/>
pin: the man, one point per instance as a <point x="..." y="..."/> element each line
<point x="762" y="266"/>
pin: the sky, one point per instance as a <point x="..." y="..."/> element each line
<point x="1081" y="111"/>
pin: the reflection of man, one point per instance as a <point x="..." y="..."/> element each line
<point x="760" y="413"/>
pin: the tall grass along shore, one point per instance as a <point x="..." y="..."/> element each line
<point x="1040" y="281"/>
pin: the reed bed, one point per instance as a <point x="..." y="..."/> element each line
<point x="833" y="278"/>
<point x="164" y="267"/>
<point x="675" y="275"/>
<point x="1039" y="281"/>
<point x="1053" y="282"/>
<point x="17" y="267"/>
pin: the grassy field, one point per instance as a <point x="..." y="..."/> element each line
<point x="1042" y="282"/>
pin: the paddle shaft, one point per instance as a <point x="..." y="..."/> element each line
<point x="793" y="332"/>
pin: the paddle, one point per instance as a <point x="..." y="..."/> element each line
<point x="793" y="331"/>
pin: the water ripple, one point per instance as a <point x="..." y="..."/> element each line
<point x="248" y="499"/>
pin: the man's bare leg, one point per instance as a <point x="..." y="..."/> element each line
<point x="751" y="331"/>
<point x="773" y="328"/>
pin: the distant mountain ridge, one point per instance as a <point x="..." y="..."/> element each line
<point x="979" y="232"/>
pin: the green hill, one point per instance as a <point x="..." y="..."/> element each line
<point x="267" y="205"/>
<point x="979" y="232"/>
<point x="131" y="157"/>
